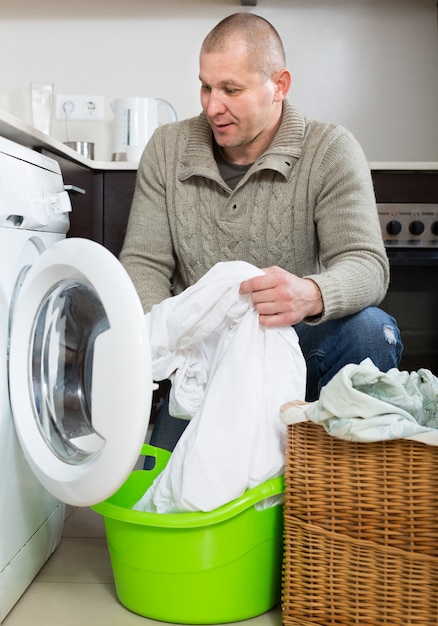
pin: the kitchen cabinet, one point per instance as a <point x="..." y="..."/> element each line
<point x="101" y="201"/>
<point x="117" y="190"/>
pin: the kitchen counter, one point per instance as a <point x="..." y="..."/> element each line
<point x="22" y="133"/>
<point x="19" y="131"/>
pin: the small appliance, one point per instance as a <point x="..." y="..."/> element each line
<point x="135" y="119"/>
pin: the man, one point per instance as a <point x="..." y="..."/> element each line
<point x="252" y="179"/>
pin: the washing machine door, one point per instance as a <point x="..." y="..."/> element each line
<point x="79" y="371"/>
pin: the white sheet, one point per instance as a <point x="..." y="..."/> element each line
<point x="229" y="376"/>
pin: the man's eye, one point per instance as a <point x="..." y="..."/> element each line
<point x="205" y="88"/>
<point x="230" y="90"/>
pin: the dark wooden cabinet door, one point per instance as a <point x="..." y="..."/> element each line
<point x="118" y="189"/>
<point x="101" y="201"/>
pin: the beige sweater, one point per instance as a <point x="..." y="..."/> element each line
<point x="306" y="205"/>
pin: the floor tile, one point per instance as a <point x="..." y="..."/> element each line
<point x="61" y="604"/>
<point x="84" y="522"/>
<point x="78" y="560"/>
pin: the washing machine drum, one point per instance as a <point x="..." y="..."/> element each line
<point x="79" y="371"/>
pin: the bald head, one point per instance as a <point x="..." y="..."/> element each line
<point x="265" y="52"/>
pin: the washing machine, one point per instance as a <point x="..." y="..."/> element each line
<point x="75" y="368"/>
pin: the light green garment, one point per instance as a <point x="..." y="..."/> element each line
<point x="361" y="403"/>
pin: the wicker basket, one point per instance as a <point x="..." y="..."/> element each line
<point x="361" y="531"/>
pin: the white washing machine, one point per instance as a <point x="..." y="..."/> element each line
<point x="75" y="368"/>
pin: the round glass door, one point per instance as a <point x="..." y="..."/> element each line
<point x="80" y="371"/>
<point x="67" y="324"/>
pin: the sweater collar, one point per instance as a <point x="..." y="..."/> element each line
<point x="290" y="135"/>
<point x="198" y="157"/>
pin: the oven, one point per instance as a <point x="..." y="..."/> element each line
<point x="407" y="202"/>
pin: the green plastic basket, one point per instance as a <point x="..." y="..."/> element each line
<point x="195" y="568"/>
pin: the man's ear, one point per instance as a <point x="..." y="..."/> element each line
<point x="283" y="81"/>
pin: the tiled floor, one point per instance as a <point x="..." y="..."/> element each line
<point x="75" y="587"/>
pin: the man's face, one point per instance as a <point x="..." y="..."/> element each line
<point x="239" y="103"/>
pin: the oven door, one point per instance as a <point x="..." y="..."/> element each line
<point x="79" y="371"/>
<point x="412" y="299"/>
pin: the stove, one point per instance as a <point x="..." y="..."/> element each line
<point x="407" y="203"/>
<point x="409" y="225"/>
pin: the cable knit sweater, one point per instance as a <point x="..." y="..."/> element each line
<point x="307" y="205"/>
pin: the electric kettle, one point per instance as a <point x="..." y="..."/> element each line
<point x="135" y="119"/>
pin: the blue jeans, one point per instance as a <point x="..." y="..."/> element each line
<point x="326" y="347"/>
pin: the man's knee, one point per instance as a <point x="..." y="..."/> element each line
<point x="370" y="333"/>
<point x="375" y="334"/>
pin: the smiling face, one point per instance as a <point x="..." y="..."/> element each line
<point x="243" y="106"/>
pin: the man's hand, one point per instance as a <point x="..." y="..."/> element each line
<point x="281" y="298"/>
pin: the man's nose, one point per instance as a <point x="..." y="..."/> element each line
<point x="215" y="104"/>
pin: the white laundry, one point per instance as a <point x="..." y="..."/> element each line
<point x="229" y="376"/>
<point x="361" y="403"/>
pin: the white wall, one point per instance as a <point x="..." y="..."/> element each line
<point x="368" y="64"/>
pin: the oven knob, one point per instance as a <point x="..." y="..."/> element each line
<point x="393" y="227"/>
<point x="434" y="228"/>
<point x="416" y="227"/>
